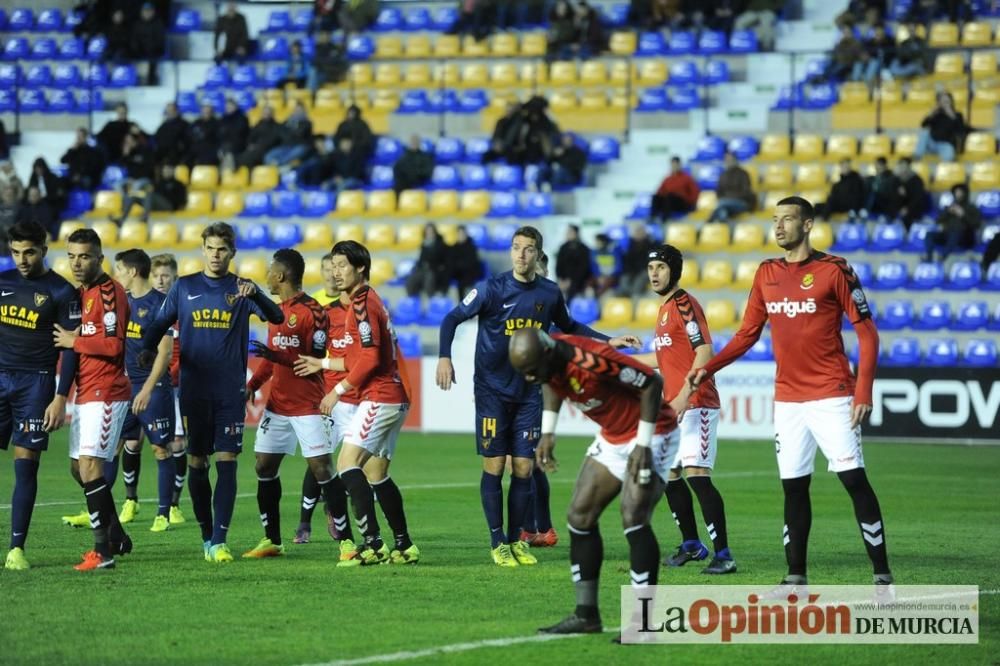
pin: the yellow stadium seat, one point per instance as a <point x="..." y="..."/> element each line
<point x="412" y="203"/>
<point x="615" y="313"/>
<point x="747" y="237"/>
<point x="563" y="100"/>
<point x="903" y="32"/>
<point x="689" y="276"/>
<point x="107" y="232"/>
<point x="382" y="271"/>
<point x="593" y="73"/>
<point x="979" y="146"/>
<point x="947" y="174"/>
<point x="381" y="203"/>
<point x="921" y="95"/>
<point x="807" y="147"/>
<point x="474" y="204"/>
<point x="854" y="93"/>
<point x="874" y="146"/>
<point x="191" y="235"/>
<point x="949" y="66"/>
<point x="190" y="265"/>
<point x="623" y="71"/>
<point x="446" y="46"/>
<point x="652" y="73"/>
<point x="386" y="101"/>
<point x="720" y="315"/>
<point x="164" y="235"/>
<point x="263" y="177"/>
<point x="772" y="198"/>
<point x="745" y="270"/>
<point x="707" y="202"/>
<point x="533" y="44"/>
<point x="943" y="35"/>
<point x="182" y="174"/>
<point x="534" y="74"/>
<point x="682" y="235"/>
<point x="360" y="75"/>
<point x="302" y="95"/>
<point x="204" y="177"/>
<point x="890" y="92"/>
<point x="327" y="101"/>
<point x="810" y="176"/>
<point x="61" y="267"/>
<point x="713" y="237"/>
<point x="313" y="276"/>
<point x="922" y="170"/>
<point x="409" y="237"/>
<point x="622" y="43"/>
<point x="562" y="74"/>
<point x="503" y="75"/>
<point x="235" y="180"/>
<point x="504" y="45"/>
<point x="443" y="203"/>
<point x="475" y="75"/>
<point x="905" y="145"/>
<point x="475" y="48"/>
<point x="387" y="75"/>
<point x="354" y="232"/>
<point x="448" y="74"/>
<point x="417" y="75"/>
<point x="228" y="203"/>
<point x="419" y="46"/>
<point x="774" y="147"/>
<point x="388" y="47"/>
<point x="983" y="65"/>
<point x="821" y="236"/>
<point x="380" y="236"/>
<point x="107" y="202"/>
<point x="841" y="146"/>
<point x="449" y="232"/>
<point x="133" y="234"/>
<point x="977" y="33"/>
<point x="716" y="274"/>
<point x="350" y="203"/>
<point x="647" y="311"/>
<point x="985" y="176"/>
<point x="252" y="268"/>
<point x="198" y="203"/>
<point x="594" y="100"/>
<point x="65" y="229"/>
<point x="776" y="177"/>
<point x="317" y="236"/>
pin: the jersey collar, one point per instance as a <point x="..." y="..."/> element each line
<point x="814" y="255"/>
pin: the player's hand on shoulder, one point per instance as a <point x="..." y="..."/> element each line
<point x="859" y="413"/>
<point x="445" y="374"/>
<point x="259" y="349"/>
<point x="55" y="414"/>
<point x="623" y="341"/>
<point x="307" y="365"/>
<point x="545" y="456"/>
<point x="245" y="288"/>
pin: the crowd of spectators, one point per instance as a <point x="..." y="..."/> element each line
<point x="440" y="265"/>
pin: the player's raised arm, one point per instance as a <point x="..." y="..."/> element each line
<point x="851" y="297"/>
<point x="166" y="318"/>
<point x="265" y="308"/>
<point x="470" y="306"/>
<point x="754" y="320"/>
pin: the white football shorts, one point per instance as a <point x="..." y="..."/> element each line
<point x="614" y="457"/>
<point x="343" y="412"/>
<point x="375" y="427"/>
<point x="799" y="427"/>
<point x="279" y="434"/>
<point x="96" y="428"/>
<point x="178" y="419"/>
<point x="699" y="432"/>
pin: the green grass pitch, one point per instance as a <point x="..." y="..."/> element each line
<point x="165" y="605"/>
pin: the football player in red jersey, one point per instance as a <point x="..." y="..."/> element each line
<point x="818" y="401"/>
<point x="103" y="392"/>
<point x="631" y="455"/>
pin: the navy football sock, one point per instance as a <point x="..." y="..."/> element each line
<point x="111" y="471"/>
<point x="310" y="495"/>
<point x="713" y="510"/>
<point x="131" y="462"/>
<point x="682" y="506"/>
<point x="165" y="470"/>
<point x="543" y="514"/>
<point x="268" y="501"/>
<point x="391" y="501"/>
<point x="23" y="501"/>
<point x="224" y="499"/>
<point x="529" y="512"/>
<point x="201" y="498"/>
<point x="180" y="471"/>
<point x="518" y="498"/>
<point x="491" y="493"/>
<point x="363" y="500"/>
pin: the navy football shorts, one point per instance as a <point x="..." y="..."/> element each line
<point x="214" y="425"/>
<point x="23" y="399"/>
<point x="506" y="428"/>
<point x="157" y="420"/>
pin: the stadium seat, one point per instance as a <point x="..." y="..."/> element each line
<point x="381" y="203"/>
<point x="584" y="310"/>
<point x="360" y="47"/>
<point x="107" y="203"/>
<point x="774" y="147"/>
<point x="976" y="34"/>
<point x="438" y="308"/>
<point x="720" y="315"/>
<point x="902" y="352"/>
<point x="252" y="268"/>
<point x="971" y="316"/>
<point x="946" y="175"/>
<point x="762" y="350"/>
<point x="927" y="276"/>
<point x="942" y="352"/>
<point x="615" y="313"/>
<point x="408" y="311"/>
<point x="412" y="203"/>
<point x="984" y="176"/>
<point x="443" y="203"/>
<point x="380" y="236"/>
<point x="850" y="238"/>
<point x="934" y="315"/>
<point x="810" y="176"/>
<point x="500" y="236"/>
<point x="317" y="204"/>
<point x="713" y="238"/>
<point x="745" y="271"/>
<point x="381" y="271"/>
<point x="229" y="203"/>
<point x="255" y="204"/>
<point x="963" y="275"/>
<point x="163" y="235"/>
<point x="887" y="237"/>
<point x="533" y="45"/>
<point x="943" y="35"/>
<point x="204" y="177"/>
<point x="682" y="235"/>
<point x="503" y="204"/>
<point x="623" y="43"/>
<point x="822" y="236"/>
<point x="409" y="237"/>
<point x="776" y="177"/>
<point x="981" y="353"/>
<point x="890" y="275"/>
<point x="263" y="178"/>
<point x="417" y="46"/>
<point x="474" y="204"/>
<point x="283" y="203"/>
<point x="650" y="44"/>
<point x="190" y="265"/>
<point x="285" y="234"/>
<point x="354" y="232"/>
<point x="979" y="146"/>
<point x="317" y="236"/>
<point x="747" y="237"/>
<point x="716" y="274"/>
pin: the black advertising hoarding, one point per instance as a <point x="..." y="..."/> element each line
<point x="936" y="404"/>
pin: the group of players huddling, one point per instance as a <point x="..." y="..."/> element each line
<point x="335" y="373"/>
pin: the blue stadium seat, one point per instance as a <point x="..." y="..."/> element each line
<point x="603" y="149"/>
<point x="89" y="100"/>
<point x="744" y="147"/>
<point x="980" y="353"/>
<point x="302" y="20"/>
<point x="816" y="68"/>
<point x="214" y="98"/>
<point x="73" y="21"/>
<point x="719" y="342"/>
<point x="80" y="201"/>
<point x="992" y="280"/>
<point x="3" y="18"/>
<point x="273" y="49"/>
<point x="684" y="99"/>
<point x="387" y="150"/>
<point x="618" y="233"/>
<point x="9" y="76"/>
<point x="438" y="308"/>
<point x="124" y="76"/>
<point x="316" y="204"/>
<point x="476" y="177"/>
<point x="507" y="178"/>
<point x="934" y="315"/>
<point x="475" y="148"/>
<point x="417" y="19"/>
<point x="284" y="204"/>
<point x="449" y="150"/>
<point x="96" y="47"/>
<point x="536" y="205"/>
<point x="641" y="207"/>
<point x="681" y="43"/>
<point x="8" y="101"/>
<point x="989" y="204"/>
<point x="503" y="204"/>
<point x="472" y="101"/>
<point x="443" y="101"/>
<point x="443" y="18"/>
<point x="381" y="177"/>
<point x="245" y="76"/>
<point x="762" y="350"/>
<point x="403" y="269"/>
<point x="252" y="236"/>
<point x="971" y="316"/>
<point x="942" y="352"/>
<point x="44" y="48"/>
<point x="16" y="48"/>
<point x="97" y="75"/>
<point x="710" y="147"/>
<point x="217" y="77"/>
<point x="255" y="204"/>
<point x="413" y="101"/>
<point x="501" y="235"/>
<point x="187" y="102"/>
<point x="478" y="234"/>
<point x="651" y="44"/>
<point x="187" y="20"/>
<point x="38" y="76"/>
<point x="274" y="74"/>
<point x="712" y="42"/>
<point x="33" y="101"/>
<point x="964" y="275"/>
<point x="615" y="16"/>
<point x="245" y="99"/>
<point x="821" y="97"/>
<point x="389" y="19"/>
<point x="707" y="175"/>
<point x="849" y="238"/>
<point x="887" y="237"/>
<point x="445" y="177"/>
<point x="66" y="76"/>
<point x="584" y="310"/>
<point x="902" y="352"/>
<point x="49" y="20"/>
<point x="916" y="235"/>
<point x="716" y="72"/>
<point x="72" y="48"/>
<point x="409" y="343"/>
<point x="927" y="275"/>
<point x="285" y="234"/>
<point x="986" y="234"/>
<point x="896" y="315"/>
<point x="62" y="101"/>
<point x="789" y="97"/>
<point x="890" y="275"/>
<point x="360" y="47"/>
<point x="653" y="100"/>
<point x="280" y="20"/>
<point x="408" y="311"/>
<point x="21" y="20"/>
<point x="743" y="41"/>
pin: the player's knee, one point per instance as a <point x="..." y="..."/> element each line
<point x="581" y="518"/>
<point x="691" y="472"/>
<point x="633" y="513"/>
<point x="522" y="467"/>
<point x="161" y="452"/>
<point x="197" y="462"/>
<point x="854" y="480"/>
<point x="321" y="468"/>
<point x="798" y="486"/>
<point x="494" y="465"/>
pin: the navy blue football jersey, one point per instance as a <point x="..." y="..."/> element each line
<point x="29" y="311"/>
<point x="142" y="312"/>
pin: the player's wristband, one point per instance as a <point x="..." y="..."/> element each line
<point x="325" y="363"/>
<point x="339" y="389"/>
<point x="644" y="433"/>
<point x="549" y="419"/>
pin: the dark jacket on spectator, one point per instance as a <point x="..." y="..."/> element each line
<point x="573" y="264"/>
<point x="139" y="163"/>
<point x="172" y="140"/>
<point x="235" y="31"/>
<point x="296" y="132"/>
<point x="636" y="256"/>
<point x="572" y="159"/>
<point x="466" y="268"/>
<point x="233" y="132"/>
<point x="883" y="194"/>
<point x="111" y="136"/>
<point x="348" y="166"/>
<point x="412" y="170"/>
<point x="149" y="38"/>
<point x="945" y="128"/>
<point x="85" y="164"/>
<point x="172" y="190"/>
<point x="734" y="183"/>
<point x="360" y="134"/>
<point x="847" y="194"/>
<point x="967" y="223"/>
<point x="914" y="199"/>
<point x="264" y="136"/>
<point x="42" y="213"/>
<point x="204" y="141"/>
<point x="53" y="189"/>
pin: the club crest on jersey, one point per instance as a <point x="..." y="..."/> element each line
<point x="575" y="384"/>
<point x="664" y="318"/>
<point x="807" y="281"/>
<point x="40" y="299"/>
<point x="142" y="312"/>
<point x="292" y="320"/>
<point x="231" y="298"/>
<point x="469" y="297"/>
<point x="89" y="306"/>
<point x="539" y="307"/>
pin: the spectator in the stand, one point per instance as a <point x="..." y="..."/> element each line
<point x="912" y="55"/>
<point x="355" y="128"/>
<point x="721" y="14"/>
<point x="264" y="136"/>
<point x="329" y="64"/>
<point x="4" y="148"/>
<point x="532" y="134"/>
<point x="149" y="41"/>
<point x="36" y="209"/>
<point x="431" y="273"/>
<point x="347" y="166"/>
<point x="51" y="186"/>
<point x="847" y="195"/>
<point x="326" y="14"/>
<point x="925" y="11"/>
<point x="139" y="167"/>
<point x="232" y="38"/>
<point x="562" y="36"/>
<point x="860" y="12"/>
<point x="884" y="199"/>
<point x="173" y="137"/>
<point x="957" y="226"/>
<point x="565" y="167"/>
<point x="119" y="36"/>
<point x="634" y="280"/>
<point x="761" y="16"/>
<point x="606" y="264"/>
<point x="501" y="132"/>
<point x="414" y="168"/>
<point x="519" y="9"/>
<point x="315" y="169"/>
<point x="591" y="38"/>
<point x="9" y="178"/>
<point x="84" y="163"/>
<point x="912" y="192"/>
<point x="734" y="191"/>
<point x="677" y="194"/>
<point x="204" y="147"/>
<point x="297" y="67"/>
<point x="845" y="54"/>
<point x="472" y="19"/>
<point x="942" y="131"/>
<point x="111" y="135"/>
<point x="466" y="268"/>
<point x="233" y="132"/>
<point x="296" y="139"/>
<point x="9" y="208"/>
<point x="991" y="253"/>
<point x="357" y="15"/>
<point x="166" y="194"/>
<point x="573" y="264"/>
<point x="879" y="52"/>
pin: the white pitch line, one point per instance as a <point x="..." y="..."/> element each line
<point x="415" y="486"/>
<point x="408" y="655"/>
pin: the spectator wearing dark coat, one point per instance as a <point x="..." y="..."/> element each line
<point x="912" y="193"/>
<point x="566" y="165"/>
<point x="734" y="191"/>
<point x="149" y="40"/>
<point x="573" y="264"/>
<point x="347" y="166"/>
<point x="36" y="209"/>
<point x="562" y="35"/>
<point x="912" y="55"/>
<point x="591" y="37"/>
<point x="957" y="226"/>
<point x="205" y="138"/>
<point x="264" y="136"/>
<point x="634" y="280"/>
<point x="414" y="168"/>
<point x="296" y="139"/>
<point x="430" y="275"/>
<point x="232" y="38"/>
<point x="51" y="186"/>
<point x="329" y="62"/>
<point x="848" y="194"/>
<point x="233" y="132"/>
<point x="501" y="131"/>
<point x="139" y="165"/>
<point x="173" y="137"/>
<point x="466" y="268"/>
<point x="10" y="208"/>
<point x="296" y="67"/>
<point x="119" y="36"/>
<point x="530" y="137"/>
<point x="883" y="191"/>
<point x="354" y="127"/>
<point x="942" y="131"/>
<point x="84" y="162"/>
<point x="167" y="194"/>
<point x="845" y="54"/>
<point x="677" y="194"/>
<point x="111" y="135"/>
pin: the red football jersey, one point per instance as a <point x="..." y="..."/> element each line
<point x="175" y="359"/>
<point x="100" y="376"/>
<point x="805" y="303"/>
<point x="680" y="329"/>
<point x="604" y="384"/>
<point x="338" y="341"/>
<point x="371" y="357"/>
<point x="304" y="332"/>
